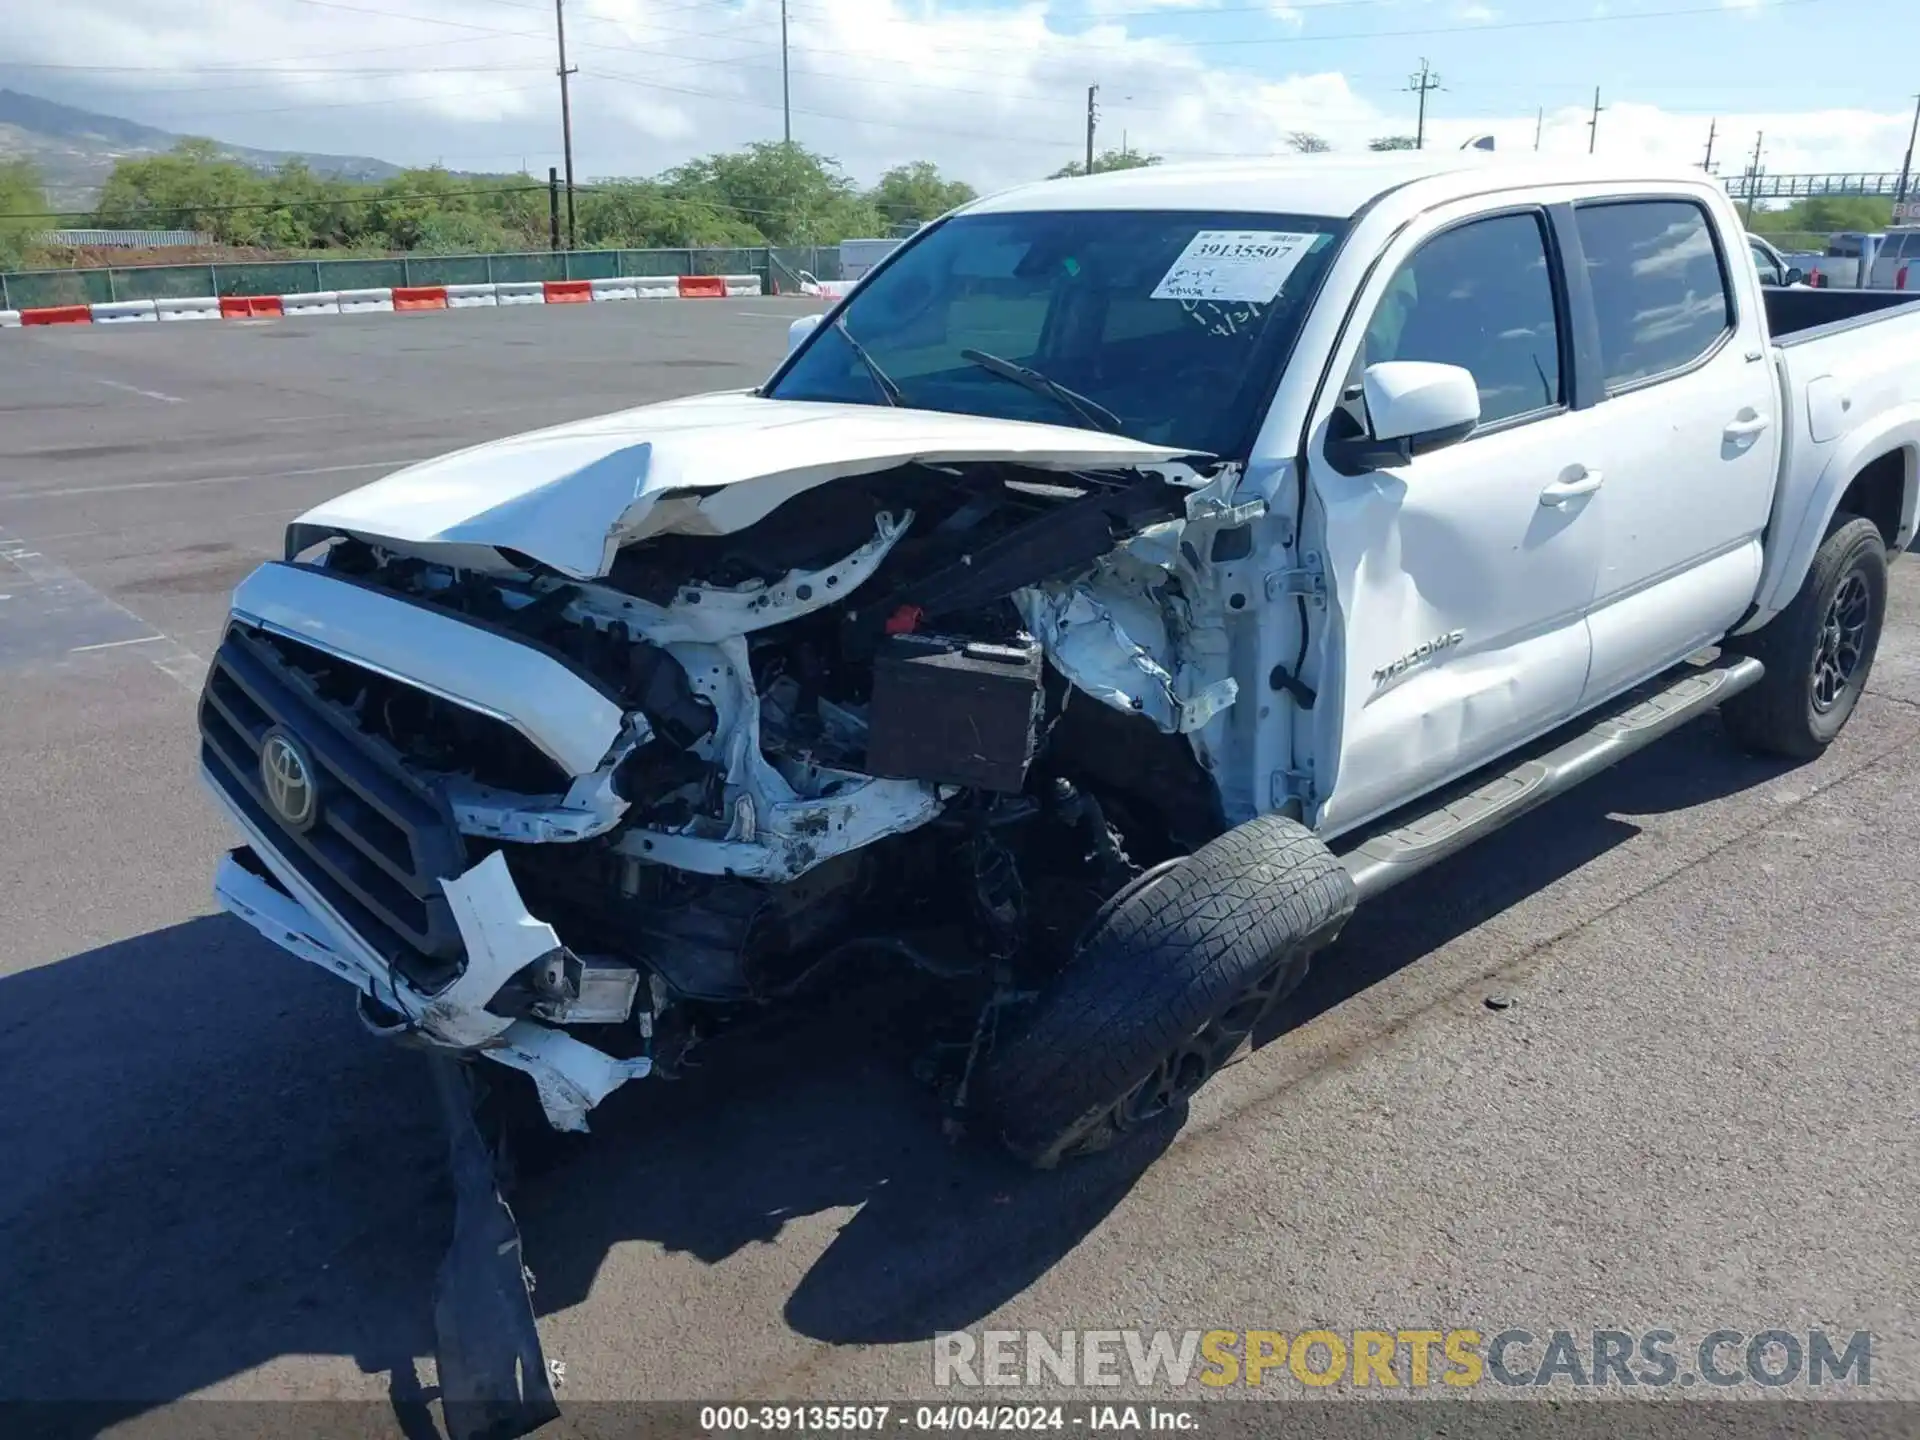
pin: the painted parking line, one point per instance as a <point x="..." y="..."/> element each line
<point x="49" y="614"/>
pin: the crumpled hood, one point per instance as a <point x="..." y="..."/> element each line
<point x="572" y="495"/>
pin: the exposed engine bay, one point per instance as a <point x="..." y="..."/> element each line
<point x="932" y="715"/>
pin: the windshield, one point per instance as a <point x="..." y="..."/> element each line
<point x="1166" y="326"/>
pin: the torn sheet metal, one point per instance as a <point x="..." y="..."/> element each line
<point x="571" y="1076"/>
<point x="572" y="495"/>
<point x="707" y="614"/>
<point x="591" y="807"/>
<point x="1109" y="635"/>
<point x="773" y="830"/>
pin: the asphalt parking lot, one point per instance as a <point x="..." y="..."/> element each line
<point x="1698" y="1111"/>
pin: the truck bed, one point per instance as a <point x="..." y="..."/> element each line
<point x="1849" y="364"/>
<point x="1797" y="316"/>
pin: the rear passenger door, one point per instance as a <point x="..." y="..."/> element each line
<point x="1689" y="448"/>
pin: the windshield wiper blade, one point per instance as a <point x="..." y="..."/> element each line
<point x="1091" y="411"/>
<point x="881" y="379"/>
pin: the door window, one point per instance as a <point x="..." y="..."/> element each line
<point x="1480" y="296"/>
<point x="1658" y="286"/>
<point x="1769" y="272"/>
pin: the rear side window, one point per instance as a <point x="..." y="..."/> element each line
<point x="1658" y="285"/>
<point x="1479" y="296"/>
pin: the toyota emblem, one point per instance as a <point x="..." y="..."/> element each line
<point x="286" y="777"/>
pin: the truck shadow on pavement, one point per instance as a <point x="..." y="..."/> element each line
<point x="211" y="1167"/>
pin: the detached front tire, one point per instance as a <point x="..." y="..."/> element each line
<point x="1818" y="651"/>
<point x="1166" y="985"/>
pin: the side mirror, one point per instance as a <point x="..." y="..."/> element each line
<point x="1413" y="407"/>
<point x="799" y="330"/>
<point x="1794" y="275"/>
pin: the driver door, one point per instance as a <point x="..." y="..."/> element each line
<point x="1459" y="582"/>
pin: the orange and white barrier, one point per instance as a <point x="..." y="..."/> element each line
<point x="120" y="312"/>
<point x="191" y="307"/>
<point x="413" y="297"/>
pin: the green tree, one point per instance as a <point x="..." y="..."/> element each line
<point x="917" y="192"/>
<point x="190" y="188"/>
<point x="23" y="204"/>
<point x="1393" y="142"/>
<point x="1126" y="159"/>
<point x="637" y="214"/>
<point x="1305" y="142"/>
<point x="1825" y="214"/>
<point x="788" y="193"/>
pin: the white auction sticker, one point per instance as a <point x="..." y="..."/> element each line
<point x="1234" y="265"/>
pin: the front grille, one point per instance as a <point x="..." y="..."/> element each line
<point x="381" y="839"/>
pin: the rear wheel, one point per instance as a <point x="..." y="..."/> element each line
<point x="1166" y="986"/>
<point x="1818" y="651"/>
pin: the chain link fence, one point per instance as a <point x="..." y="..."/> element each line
<point x="778" y="268"/>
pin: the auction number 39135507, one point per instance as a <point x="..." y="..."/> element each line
<point x="875" y="1419"/>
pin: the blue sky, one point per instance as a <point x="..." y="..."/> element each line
<point x="992" y="92"/>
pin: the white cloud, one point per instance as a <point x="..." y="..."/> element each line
<point x="993" y="95"/>
<point x="1475" y="14"/>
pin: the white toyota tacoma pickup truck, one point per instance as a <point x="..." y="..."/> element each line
<point x="1129" y="577"/>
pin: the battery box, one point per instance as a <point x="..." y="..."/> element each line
<point x="955" y="712"/>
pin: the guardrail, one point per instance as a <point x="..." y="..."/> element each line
<point x="46" y="289"/>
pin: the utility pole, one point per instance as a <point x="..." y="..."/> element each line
<point x="1753" y="177"/>
<point x="1906" y="165"/>
<point x="1593" y="125"/>
<point x="1092" y="115"/>
<point x="1420" y="85"/>
<point x="786" y="95"/>
<point x="1539" y="126"/>
<point x="1712" y="130"/>
<point x="553" y="207"/>
<point x="566" y="109"/>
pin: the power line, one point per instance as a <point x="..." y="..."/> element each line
<point x="1458" y="29"/>
<point x="1422" y="84"/>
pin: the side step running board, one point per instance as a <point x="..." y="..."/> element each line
<point x="1429" y="831"/>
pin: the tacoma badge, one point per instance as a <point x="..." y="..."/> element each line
<point x="1416" y="656"/>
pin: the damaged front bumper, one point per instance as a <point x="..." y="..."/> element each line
<point x="255" y="885"/>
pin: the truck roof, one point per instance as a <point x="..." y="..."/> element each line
<point x="1336" y="186"/>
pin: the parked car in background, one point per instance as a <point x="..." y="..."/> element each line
<point x="1896" y="264"/>
<point x="1775" y="269"/>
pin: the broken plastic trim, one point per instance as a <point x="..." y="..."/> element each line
<point x="570" y="1076"/>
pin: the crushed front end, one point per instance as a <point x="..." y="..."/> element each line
<point x="576" y="826"/>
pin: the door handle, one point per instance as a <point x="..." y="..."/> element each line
<point x="1748" y="425"/>
<point x="1585" y="482"/>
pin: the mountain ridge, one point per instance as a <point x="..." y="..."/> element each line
<point x="75" y="149"/>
